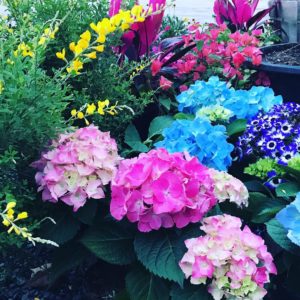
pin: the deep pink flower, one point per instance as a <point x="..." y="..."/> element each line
<point x="164" y="83"/>
<point x="155" y="67"/>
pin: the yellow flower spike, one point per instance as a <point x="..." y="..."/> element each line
<point x="73" y="112"/>
<point x="80" y="115"/>
<point x="86" y="36"/>
<point x="84" y="44"/>
<point x="72" y="46"/>
<point x="22" y="215"/>
<point x="91" y="108"/>
<point x="11" y="205"/>
<point x="99" y="48"/>
<point x="62" y="54"/>
<point x="101" y="39"/>
<point x="92" y="55"/>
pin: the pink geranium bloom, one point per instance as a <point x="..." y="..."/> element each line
<point x="164" y="83"/>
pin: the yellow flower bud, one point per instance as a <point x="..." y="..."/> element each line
<point x="11" y="205"/>
<point x="6" y="223"/>
<point x="99" y="48"/>
<point x="91" y="108"/>
<point x="80" y="115"/>
<point x="101" y="39"/>
<point x="22" y="215"/>
<point x="61" y="55"/>
<point x="73" y="112"/>
<point x="86" y="36"/>
<point x="92" y="55"/>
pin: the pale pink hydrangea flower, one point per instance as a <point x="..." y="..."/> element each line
<point x="235" y="260"/>
<point x="227" y="187"/>
<point x="79" y="166"/>
<point x="159" y="189"/>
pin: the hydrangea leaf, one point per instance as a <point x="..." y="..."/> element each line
<point x="279" y="235"/>
<point x="87" y="213"/>
<point x="190" y="292"/>
<point x="111" y="242"/>
<point x="142" y="285"/>
<point x="159" y="124"/>
<point x="161" y="251"/>
<point x="237" y="126"/>
<point x="133" y="139"/>
<point x="287" y="189"/>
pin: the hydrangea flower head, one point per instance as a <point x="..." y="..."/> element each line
<point x="235" y="260"/>
<point x="242" y="104"/>
<point x="158" y="189"/>
<point x="79" y="166"/>
<point x="201" y="139"/>
<point x="289" y="217"/>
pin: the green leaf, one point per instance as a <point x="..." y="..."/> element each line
<point x="183" y="116"/>
<point x="237" y="126"/>
<point x="142" y="285"/>
<point x="190" y="292"/>
<point x="165" y="102"/>
<point x="67" y="257"/>
<point x="200" y="45"/>
<point x="161" y="251"/>
<point x="287" y="189"/>
<point x="133" y="139"/>
<point x="159" y="124"/>
<point x="87" y="213"/>
<point x="65" y="229"/>
<point x="111" y="242"/>
<point x="267" y="210"/>
<point x="278" y="233"/>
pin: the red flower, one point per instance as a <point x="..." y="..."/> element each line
<point x="164" y="83"/>
<point x="238" y="59"/>
<point x="155" y="67"/>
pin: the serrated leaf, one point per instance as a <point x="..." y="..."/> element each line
<point x="142" y="285"/>
<point x="111" y="242"/>
<point x="66" y="258"/>
<point x="159" y="124"/>
<point x="267" y="210"/>
<point x="279" y="235"/>
<point x="190" y="292"/>
<point x="237" y="126"/>
<point x="287" y="189"/>
<point x="161" y="251"/>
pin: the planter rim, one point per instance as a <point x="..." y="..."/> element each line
<point x="278" y="68"/>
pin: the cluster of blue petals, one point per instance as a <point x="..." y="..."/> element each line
<point x="201" y="139"/>
<point x="244" y="104"/>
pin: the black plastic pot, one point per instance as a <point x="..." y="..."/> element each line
<point x="285" y="79"/>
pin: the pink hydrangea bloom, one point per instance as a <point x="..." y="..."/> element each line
<point x="78" y="167"/>
<point x="159" y="189"/>
<point x="227" y="187"/>
<point x="235" y="259"/>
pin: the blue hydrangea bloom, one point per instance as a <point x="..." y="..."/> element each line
<point x="289" y="217"/>
<point x="244" y="104"/>
<point x="201" y="139"/>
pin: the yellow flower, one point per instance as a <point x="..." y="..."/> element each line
<point x="73" y="112"/>
<point x="77" y="65"/>
<point x="72" y="46"/>
<point x="62" y="54"/>
<point x="125" y="26"/>
<point x="10" y="62"/>
<point x="92" y="55"/>
<point x="11" y="205"/>
<point x="22" y="215"/>
<point x="99" y="48"/>
<point x="80" y="115"/>
<point x="6" y="223"/>
<point x="100" y="110"/>
<point x="86" y="36"/>
<point x="91" y="108"/>
<point x="84" y="44"/>
<point x="101" y="39"/>
<point x="136" y="11"/>
<point x="42" y="40"/>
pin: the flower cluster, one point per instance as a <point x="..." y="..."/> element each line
<point x="215" y="50"/>
<point x="289" y="217"/>
<point x="78" y="167"/>
<point x="235" y="259"/>
<point x="158" y="189"/>
<point x="242" y="104"/>
<point x="227" y="187"/>
<point x="215" y="113"/>
<point x="100" y="108"/>
<point x="86" y="48"/>
<point x="275" y="134"/>
<point x="201" y="139"/>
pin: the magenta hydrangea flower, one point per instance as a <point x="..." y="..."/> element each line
<point x="234" y="259"/>
<point x="159" y="189"/>
<point x="227" y="187"/>
<point x="78" y="167"/>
